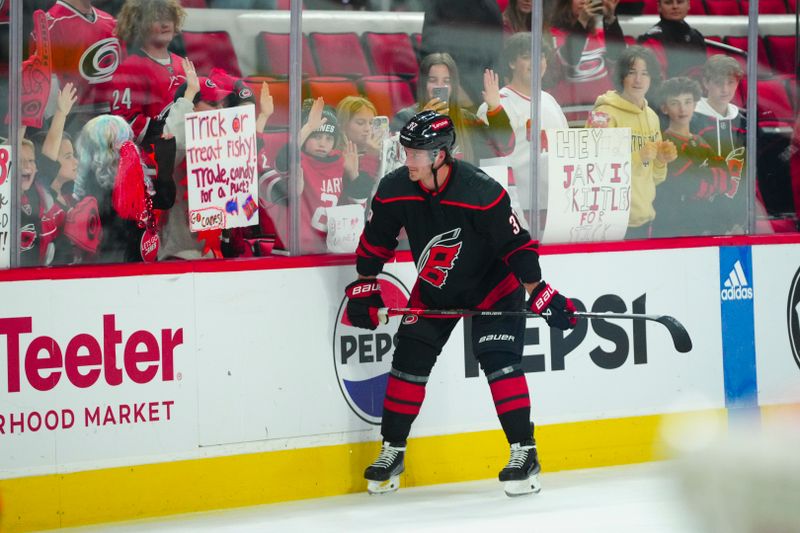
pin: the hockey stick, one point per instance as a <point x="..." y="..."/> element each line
<point x="680" y="338"/>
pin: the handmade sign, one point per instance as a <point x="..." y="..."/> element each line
<point x="221" y="168"/>
<point x="589" y="184"/>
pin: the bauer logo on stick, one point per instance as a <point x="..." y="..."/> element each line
<point x="362" y="358"/>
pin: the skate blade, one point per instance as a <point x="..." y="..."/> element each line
<point x="383" y="487"/>
<point x="522" y="487"/>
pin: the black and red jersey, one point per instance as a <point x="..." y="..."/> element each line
<point x="144" y="88"/>
<point x="85" y="52"/>
<point x="469" y="247"/>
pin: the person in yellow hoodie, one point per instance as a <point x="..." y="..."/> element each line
<point x="637" y="70"/>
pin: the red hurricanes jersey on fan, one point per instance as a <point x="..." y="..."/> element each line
<point x="582" y="83"/>
<point x="322" y="188"/>
<point x="143" y="89"/>
<point x="85" y="53"/>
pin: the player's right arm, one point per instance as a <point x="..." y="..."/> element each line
<point x="376" y="246"/>
<point x="379" y="238"/>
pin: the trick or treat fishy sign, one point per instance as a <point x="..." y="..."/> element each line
<point x="221" y="168"/>
<point x="589" y="184"/>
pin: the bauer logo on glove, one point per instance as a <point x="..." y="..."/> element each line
<point x="557" y="310"/>
<point x="363" y="301"/>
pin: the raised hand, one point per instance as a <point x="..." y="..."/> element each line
<point x="491" y="89"/>
<point x="315" y="118"/>
<point x="350" y="155"/>
<point x="265" y="101"/>
<point x="610" y="10"/>
<point x="66" y="99"/>
<point x="192" y="81"/>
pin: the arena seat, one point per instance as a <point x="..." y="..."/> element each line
<point x="339" y="54"/>
<point x="279" y="89"/>
<point x="331" y="88"/>
<point x="782" y="53"/>
<point x="698" y="7"/>
<point x="723" y="7"/>
<point x="273" y="56"/>
<point x="765" y="7"/>
<point x="285" y="5"/>
<point x="650" y="7"/>
<point x="391" y="54"/>
<point x="389" y="94"/>
<point x="197" y="4"/>
<point x="416" y="41"/>
<point x="741" y="43"/>
<point x="774" y="104"/>
<point x="209" y="49"/>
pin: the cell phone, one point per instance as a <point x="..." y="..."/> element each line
<point x="442" y="93"/>
<point x="380" y="126"/>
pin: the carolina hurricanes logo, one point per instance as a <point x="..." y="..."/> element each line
<point x="99" y="62"/>
<point x="438" y="258"/>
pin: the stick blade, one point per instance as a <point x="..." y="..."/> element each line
<point x="680" y="337"/>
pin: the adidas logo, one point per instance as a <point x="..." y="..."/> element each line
<point x="736" y="286"/>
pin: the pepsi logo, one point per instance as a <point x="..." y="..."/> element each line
<point x="362" y="358"/>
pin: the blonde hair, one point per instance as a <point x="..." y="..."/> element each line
<point x="138" y="16"/>
<point x="349" y="106"/>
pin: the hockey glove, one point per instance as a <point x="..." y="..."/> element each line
<point x="363" y="301"/>
<point x="556" y="309"/>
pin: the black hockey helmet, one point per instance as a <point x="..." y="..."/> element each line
<point x="428" y="130"/>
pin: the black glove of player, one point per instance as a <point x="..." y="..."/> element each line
<point x="363" y="301"/>
<point x="557" y="309"/>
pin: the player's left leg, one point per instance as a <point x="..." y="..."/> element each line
<point x="497" y="344"/>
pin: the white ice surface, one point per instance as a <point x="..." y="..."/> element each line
<point x="640" y="498"/>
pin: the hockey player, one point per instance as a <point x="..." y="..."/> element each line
<point x="471" y="251"/>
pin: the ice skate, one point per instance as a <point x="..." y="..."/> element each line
<point x="384" y="474"/>
<point x="521" y="474"/>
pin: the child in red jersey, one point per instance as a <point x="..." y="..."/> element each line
<point x="324" y="170"/>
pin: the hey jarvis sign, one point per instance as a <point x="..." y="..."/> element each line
<point x="363" y="358"/>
